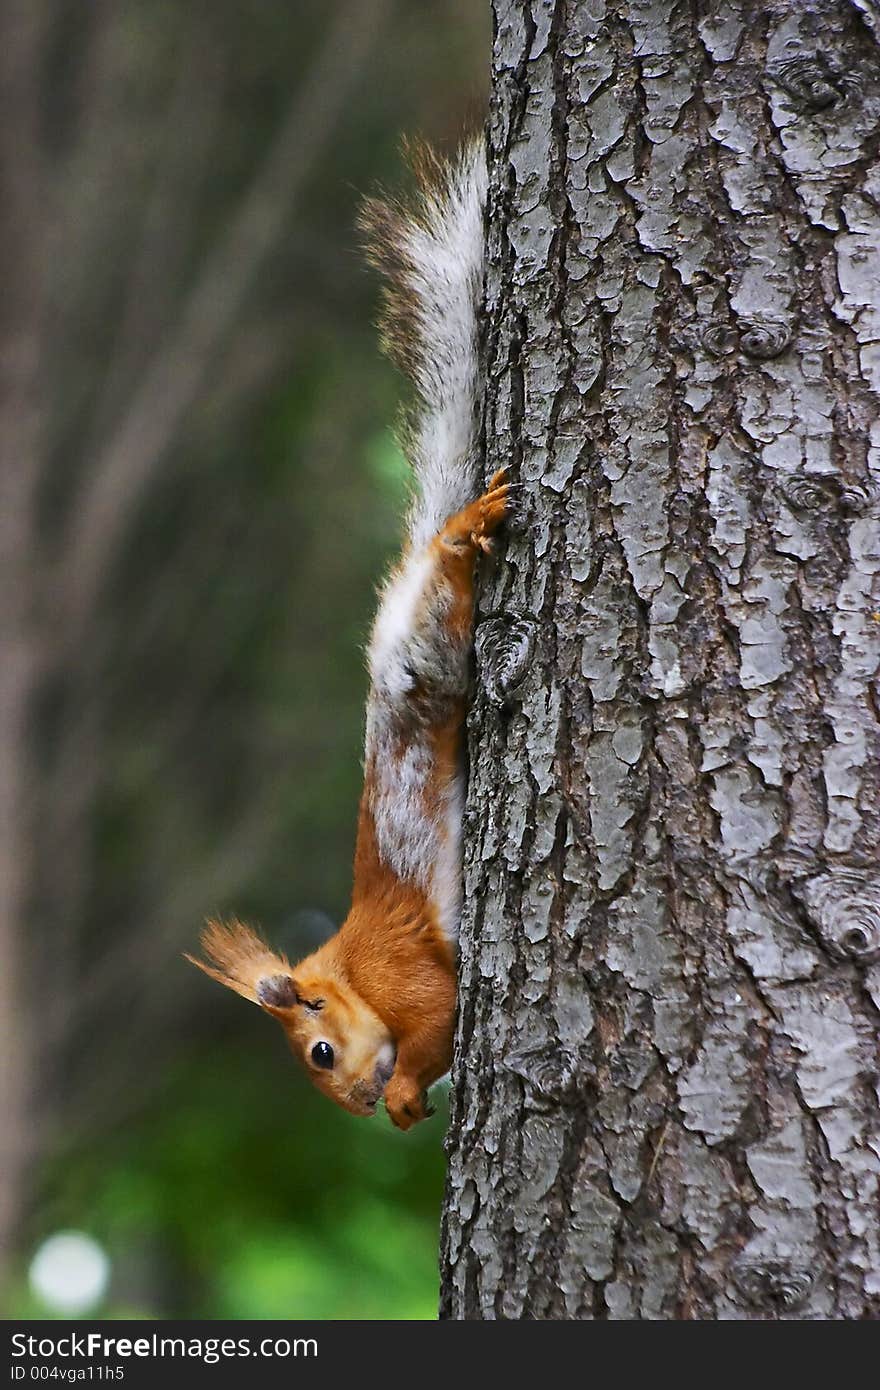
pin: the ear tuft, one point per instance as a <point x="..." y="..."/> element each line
<point x="240" y="959"/>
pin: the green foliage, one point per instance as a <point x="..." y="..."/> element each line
<point x="200" y="750"/>
<point x="388" y="467"/>
<point x="245" y="1194"/>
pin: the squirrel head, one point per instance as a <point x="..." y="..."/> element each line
<point x="344" y="1046"/>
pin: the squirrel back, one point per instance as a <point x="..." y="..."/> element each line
<point x="430" y="250"/>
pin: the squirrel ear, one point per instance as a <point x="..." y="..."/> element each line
<point x="277" y="994"/>
<point x="241" y="960"/>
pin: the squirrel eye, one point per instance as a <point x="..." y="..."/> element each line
<point x="322" y="1055"/>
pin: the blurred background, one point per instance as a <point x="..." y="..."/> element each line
<point x="199" y="489"/>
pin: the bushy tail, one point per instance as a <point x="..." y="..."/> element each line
<point x="430" y="250"/>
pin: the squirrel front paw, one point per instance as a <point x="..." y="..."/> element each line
<point x="405" y="1102"/>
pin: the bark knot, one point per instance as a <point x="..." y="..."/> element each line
<point x="844" y="907"/>
<point x="813" y="81"/>
<point x="765" y="338"/>
<point x="505" y="646"/>
<point x="773" y="1283"/>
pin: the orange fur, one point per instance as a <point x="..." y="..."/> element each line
<point x="381" y="992"/>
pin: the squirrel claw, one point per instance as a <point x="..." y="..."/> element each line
<point x="482" y="542"/>
<point x="405" y="1105"/>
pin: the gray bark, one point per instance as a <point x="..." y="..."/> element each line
<point x="665" y="1095"/>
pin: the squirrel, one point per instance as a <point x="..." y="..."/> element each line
<point x="371" y="1013"/>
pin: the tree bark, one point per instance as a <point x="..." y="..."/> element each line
<point x="665" y="1094"/>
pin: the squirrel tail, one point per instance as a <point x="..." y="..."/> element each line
<point x="430" y="250"/>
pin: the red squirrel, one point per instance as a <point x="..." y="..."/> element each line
<point x="370" y="1013"/>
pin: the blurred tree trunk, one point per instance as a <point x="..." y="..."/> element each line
<point x="665" y="1094"/>
<point x="20" y="432"/>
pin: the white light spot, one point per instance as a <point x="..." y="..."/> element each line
<point x="70" y="1272"/>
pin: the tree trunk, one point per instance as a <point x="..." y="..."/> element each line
<point x="20" y="319"/>
<point x="665" y="1094"/>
